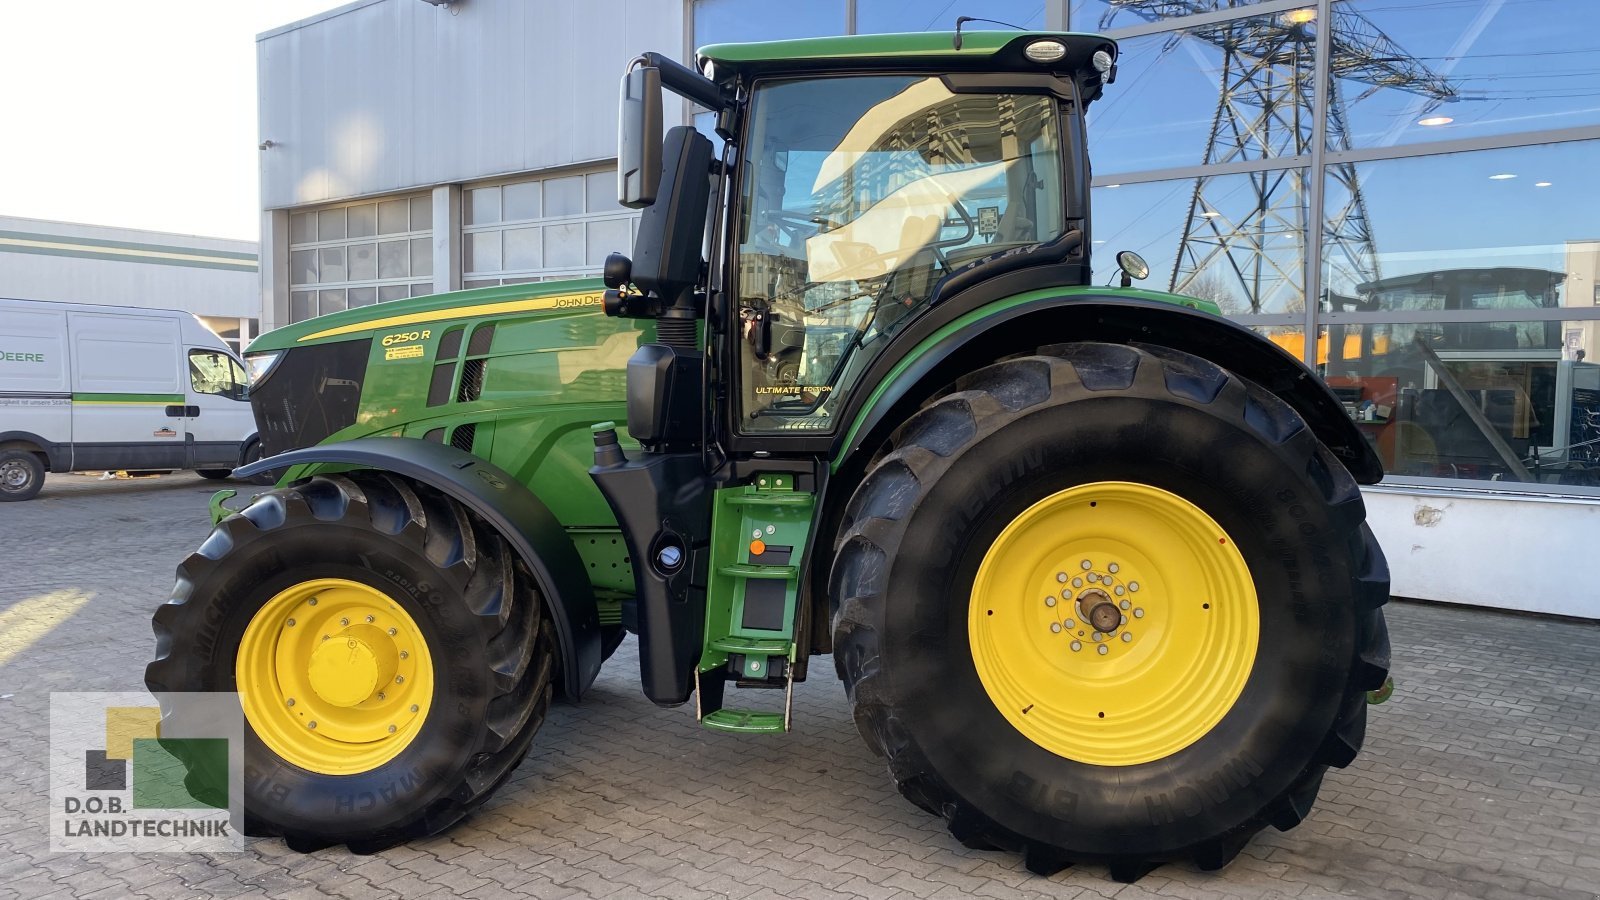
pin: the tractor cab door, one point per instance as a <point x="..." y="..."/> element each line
<point x="859" y="194"/>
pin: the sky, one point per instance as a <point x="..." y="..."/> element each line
<point x="136" y="114"/>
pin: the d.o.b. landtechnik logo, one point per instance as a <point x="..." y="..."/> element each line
<point x="122" y="779"/>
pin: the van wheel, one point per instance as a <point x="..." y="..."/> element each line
<point x="214" y="474"/>
<point x="252" y="453"/>
<point x="21" y="475"/>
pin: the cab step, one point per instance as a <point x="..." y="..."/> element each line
<point x="744" y="721"/>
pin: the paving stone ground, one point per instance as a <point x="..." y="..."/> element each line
<point x="1480" y="779"/>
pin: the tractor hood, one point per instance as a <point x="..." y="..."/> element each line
<point x="434" y="311"/>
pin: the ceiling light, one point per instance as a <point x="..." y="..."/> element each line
<point x="1541" y="184"/>
<point x="1434" y="121"/>
<point x="1503" y="176"/>
<point x="1300" y="16"/>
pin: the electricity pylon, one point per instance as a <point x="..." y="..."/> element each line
<point x="1252" y="250"/>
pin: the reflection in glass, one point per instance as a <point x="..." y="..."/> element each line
<point x="521" y="201"/>
<point x="1104" y="15"/>
<point x="483" y="206"/>
<point x="330" y="301"/>
<point x="480" y="251"/>
<point x="1223" y="92"/>
<point x="392" y="259"/>
<point x="303" y="267"/>
<point x="363" y="220"/>
<point x="302" y="227"/>
<point x="888" y="16"/>
<point x="392" y="217"/>
<point x="330" y="224"/>
<point x="362" y="296"/>
<point x="1505" y="401"/>
<point x="563" y="245"/>
<point x="302" y="305"/>
<point x="422" y="213"/>
<point x="1461" y="211"/>
<point x="331" y="264"/>
<point x="563" y="196"/>
<point x="388" y="292"/>
<point x="1484" y="68"/>
<point x="522" y="248"/>
<point x="421" y="256"/>
<point x="726" y="21"/>
<point x="871" y="189"/>
<point x="363" y="262"/>
<point x="1223" y="238"/>
<point x="605" y="237"/>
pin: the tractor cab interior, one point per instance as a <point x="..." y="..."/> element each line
<point x="859" y="194"/>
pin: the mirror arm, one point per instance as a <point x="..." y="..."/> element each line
<point x="686" y="82"/>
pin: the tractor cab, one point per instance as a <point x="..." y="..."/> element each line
<point x="861" y="181"/>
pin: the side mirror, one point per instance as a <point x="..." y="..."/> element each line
<point x="1133" y="267"/>
<point x="639" y="137"/>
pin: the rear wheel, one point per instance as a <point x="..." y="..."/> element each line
<point x="1134" y="614"/>
<point x="385" y="645"/>
<point x="21" y="475"/>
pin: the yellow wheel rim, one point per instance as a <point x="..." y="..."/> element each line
<point x="334" y="676"/>
<point x="1113" y="623"/>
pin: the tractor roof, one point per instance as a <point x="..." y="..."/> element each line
<point x="979" y="50"/>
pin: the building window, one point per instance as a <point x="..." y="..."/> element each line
<point x="544" y="229"/>
<point x="358" y="254"/>
<point x="1453" y="303"/>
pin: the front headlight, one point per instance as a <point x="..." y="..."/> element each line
<point x="260" y="365"/>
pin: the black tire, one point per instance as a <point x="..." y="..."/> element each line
<point x="474" y="602"/>
<point x="21" y="475"/>
<point x="214" y="474"/>
<point x="252" y="453"/>
<point x="1018" y="431"/>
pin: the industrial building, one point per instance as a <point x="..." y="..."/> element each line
<point x="214" y="278"/>
<point x="1401" y="194"/>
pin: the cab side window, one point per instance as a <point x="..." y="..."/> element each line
<point x="215" y="372"/>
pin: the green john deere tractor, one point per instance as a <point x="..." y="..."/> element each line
<point x="1091" y="562"/>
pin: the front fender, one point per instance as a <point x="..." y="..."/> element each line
<point x="502" y="501"/>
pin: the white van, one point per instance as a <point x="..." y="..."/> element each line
<point x="86" y="387"/>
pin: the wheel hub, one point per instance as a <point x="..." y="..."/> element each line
<point x="334" y="676"/>
<point x="1146" y="633"/>
<point x="13" y="474"/>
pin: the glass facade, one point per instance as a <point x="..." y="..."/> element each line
<point x="357" y="254"/>
<point x="542" y="229"/>
<point x="1413" y="184"/>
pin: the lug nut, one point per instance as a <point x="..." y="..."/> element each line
<point x="1124" y="604"/>
<point x="1077" y="582"/>
<point x="344" y="621"/>
<point x="1121" y="590"/>
<point x="311" y="724"/>
<point x="1127" y="636"/>
<point x="291" y="701"/>
<point x="1133" y="586"/>
<point x="1070" y="624"/>
<point x="312" y="601"/>
<point x="415" y="707"/>
<point x="1086" y="565"/>
<point x="1050" y="601"/>
<point x="1138" y="613"/>
<point x="393" y="632"/>
<point x="382" y="696"/>
<point x="1113" y="568"/>
<point x="404" y="654"/>
<point x="391" y="729"/>
<point x="399" y="679"/>
<point x="371" y="619"/>
<point x="291" y="623"/>
<point x="1076" y="646"/>
<point x="1061" y="577"/>
<point x="1103" y="649"/>
<point x="1055" y="627"/>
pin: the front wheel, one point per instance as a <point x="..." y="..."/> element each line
<point x="385" y="645"/>
<point x="21" y="475"/>
<point x="1111" y="604"/>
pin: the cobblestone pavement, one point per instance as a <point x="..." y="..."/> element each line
<point x="1481" y="778"/>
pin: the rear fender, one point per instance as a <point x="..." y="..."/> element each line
<point x="509" y="507"/>
<point x="999" y="330"/>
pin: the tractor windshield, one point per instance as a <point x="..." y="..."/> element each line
<point x="859" y="194"/>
